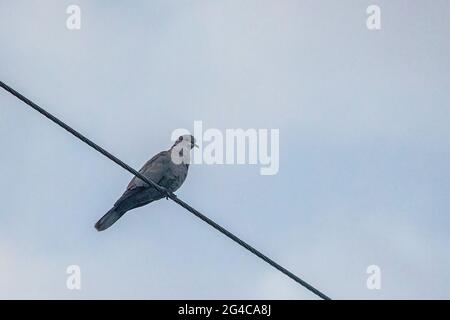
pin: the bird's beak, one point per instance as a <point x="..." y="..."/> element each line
<point x="196" y="145"/>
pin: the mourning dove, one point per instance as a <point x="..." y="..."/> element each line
<point x="168" y="169"/>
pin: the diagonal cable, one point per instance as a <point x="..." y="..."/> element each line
<point x="164" y="191"/>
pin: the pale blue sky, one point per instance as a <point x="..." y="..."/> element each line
<point x="364" y="147"/>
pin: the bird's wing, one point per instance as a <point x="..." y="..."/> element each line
<point x="154" y="170"/>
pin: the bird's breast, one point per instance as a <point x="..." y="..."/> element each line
<point x="174" y="178"/>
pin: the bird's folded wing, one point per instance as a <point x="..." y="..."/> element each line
<point x="154" y="170"/>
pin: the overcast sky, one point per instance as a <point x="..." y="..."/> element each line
<point x="364" y="147"/>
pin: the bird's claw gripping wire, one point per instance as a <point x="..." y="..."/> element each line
<point x="168" y="194"/>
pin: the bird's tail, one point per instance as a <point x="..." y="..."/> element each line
<point x="109" y="219"/>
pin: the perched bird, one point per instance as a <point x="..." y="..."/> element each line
<point x="168" y="169"/>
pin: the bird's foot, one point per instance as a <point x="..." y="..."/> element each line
<point x="169" y="194"/>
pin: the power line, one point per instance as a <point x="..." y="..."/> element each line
<point x="164" y="191"/>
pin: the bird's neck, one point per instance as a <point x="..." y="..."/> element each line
<point x="177" y="149"/>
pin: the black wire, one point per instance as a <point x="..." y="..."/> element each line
<point x="164" y="191"/>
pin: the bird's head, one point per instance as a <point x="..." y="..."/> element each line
<point x="186" y="141"/>
<point x="180" y="151"/>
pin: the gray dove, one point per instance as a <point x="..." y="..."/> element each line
<point x="168" y="169"/>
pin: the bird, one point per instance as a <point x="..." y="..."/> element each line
<point x="168" y="169"/>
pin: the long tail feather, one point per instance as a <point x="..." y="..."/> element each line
<point x="109" y="219"/>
